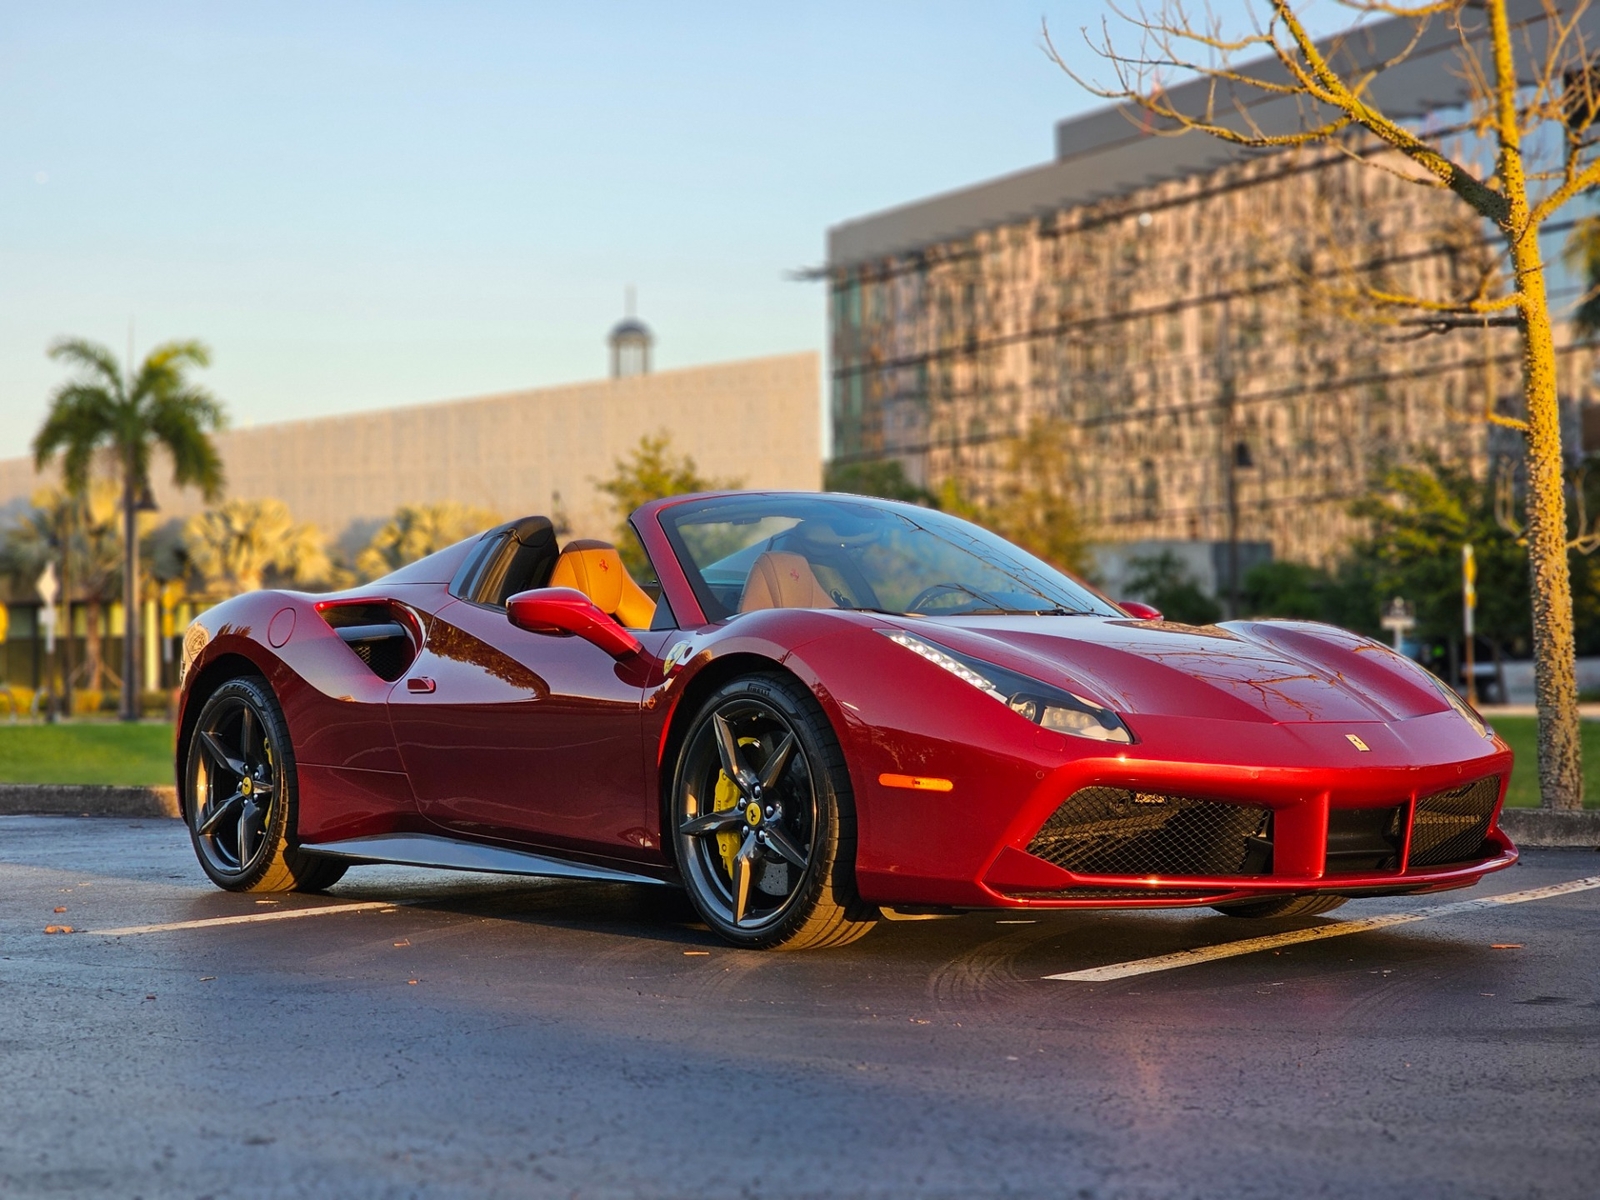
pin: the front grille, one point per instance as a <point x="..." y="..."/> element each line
<point x="1364" y="839"/>
<point x="1113" y="831"/>
<point x="1451" y="827"/>
<point x="1106" y="893"/>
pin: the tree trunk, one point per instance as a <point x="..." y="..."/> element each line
<point x="130" y="600"/>
<point x="65" y="634"/>
<point x="1555" y="671"/>
<point x="1555" y="667"/>
<point x="93" y="651"/>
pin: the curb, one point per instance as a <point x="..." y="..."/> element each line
<point x="1547" y="827"/>
<point x="86" y="800"/>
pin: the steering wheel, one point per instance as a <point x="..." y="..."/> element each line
<point x="937" y="589"/>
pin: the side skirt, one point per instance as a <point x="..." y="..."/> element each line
<point x="428" y="850"/>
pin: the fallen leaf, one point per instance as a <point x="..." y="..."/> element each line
<point x="1506" y="946"/>
<point x="62" y="909"/>
<point x="696" y="953"/>
<point x="58" y="928"/>
<point x="412" y="981"/>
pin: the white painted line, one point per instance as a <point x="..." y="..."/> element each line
<point x="288" y="914"/>
<point x="1190" y="958"/>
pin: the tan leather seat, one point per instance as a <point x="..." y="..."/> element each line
<point x="782" y="580"/>
<point x="596" y="570"/>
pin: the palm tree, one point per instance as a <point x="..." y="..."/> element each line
<point x="79" y="533"/>
<point x="128" y="417"/>
<point x="234" y="546"/>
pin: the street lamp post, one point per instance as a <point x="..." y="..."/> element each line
<point x="132" y="626"/>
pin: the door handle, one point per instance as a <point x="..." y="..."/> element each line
<point x="420" y="683"/>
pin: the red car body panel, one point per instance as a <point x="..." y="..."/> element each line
<point x="499" y="736"/>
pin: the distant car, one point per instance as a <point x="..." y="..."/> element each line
<point x="809" y="707"/>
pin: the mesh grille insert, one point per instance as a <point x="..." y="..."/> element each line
<point x="1114" y="831"/>
<point x="1451" y="827"/>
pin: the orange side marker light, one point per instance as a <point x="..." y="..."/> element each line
<point x="917" y="783"/>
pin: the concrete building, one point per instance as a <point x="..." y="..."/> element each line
<point x="1165" y="300"/>
<point x="535" y="451"/>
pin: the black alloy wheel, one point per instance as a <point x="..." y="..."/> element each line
<point x="239" y="796"/>
<point x="764" y="821"/>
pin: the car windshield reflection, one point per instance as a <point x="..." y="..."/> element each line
<point x="746" y="553"/>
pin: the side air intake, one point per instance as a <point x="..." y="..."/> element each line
<point x="383" y="635"/>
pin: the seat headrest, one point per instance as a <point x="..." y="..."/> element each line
<point x="782" y="580"/>
<point x="595" y="569"/>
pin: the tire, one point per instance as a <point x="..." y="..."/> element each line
<point x="238" y="752"/>
<point x="779" y="830"/>
<point x="1281" y="906"/>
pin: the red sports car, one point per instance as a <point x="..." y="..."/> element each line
<point x="804" y="708"/>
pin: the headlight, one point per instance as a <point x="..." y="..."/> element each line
<point x="1048" y="707"/>
<point x="1460" y="705"/>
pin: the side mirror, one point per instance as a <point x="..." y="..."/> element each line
<point x="1138" y="611"/>
<point x="567" y="610"/>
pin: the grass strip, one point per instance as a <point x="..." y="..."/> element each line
<point x="105" y="752"/>
<point x="1522" y="735"/>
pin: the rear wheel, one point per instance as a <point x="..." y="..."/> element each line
<point x="239" y="796"/>
<point x="764" y="822"/>
<point x="1281" y="906"/>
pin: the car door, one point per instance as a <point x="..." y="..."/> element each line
<point x="527" y="737"/>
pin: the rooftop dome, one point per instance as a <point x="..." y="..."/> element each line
<point x="631" y="327"/>
<point x="630" y="340"/>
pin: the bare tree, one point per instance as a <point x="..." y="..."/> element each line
<point x="1527" y="76"/>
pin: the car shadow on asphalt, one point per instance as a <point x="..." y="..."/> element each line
<point x="966" y="952"/>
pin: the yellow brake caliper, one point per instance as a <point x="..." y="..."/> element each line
<point x="725" y="797"/>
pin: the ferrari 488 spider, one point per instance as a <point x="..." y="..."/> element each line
<point x="806" y="708"/>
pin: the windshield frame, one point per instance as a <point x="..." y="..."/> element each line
<point x="669" y="515"/>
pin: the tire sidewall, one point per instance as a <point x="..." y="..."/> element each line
<point x="807" y="721"/>
<point x="279" y="831"/>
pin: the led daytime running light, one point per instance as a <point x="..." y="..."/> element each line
<point x="940" y="659"/>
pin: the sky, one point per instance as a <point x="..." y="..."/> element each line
<point x="358" y="205"/>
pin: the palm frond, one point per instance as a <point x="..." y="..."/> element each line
<point x="80" y="418"/>
<point x="91" y="357"/>
<point x="182" y="421"/>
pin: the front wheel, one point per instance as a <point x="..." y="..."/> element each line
<point x="1281" y="906"/>
<point x="239" y="796"/>
<point x="763" y="820"/>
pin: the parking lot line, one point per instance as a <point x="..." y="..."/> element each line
<point x="1190" y="958"/>
<point x="247" y="919"/>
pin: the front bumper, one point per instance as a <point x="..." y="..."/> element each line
<point x="1161" y="824"/>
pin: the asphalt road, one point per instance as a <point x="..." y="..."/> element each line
<point x="488" y="1037"/>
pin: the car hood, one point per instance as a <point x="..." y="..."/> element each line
<point x="1246" y="671"/>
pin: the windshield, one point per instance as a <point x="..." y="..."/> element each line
<point x="743" y="553"/>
